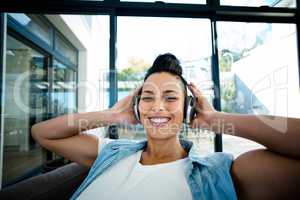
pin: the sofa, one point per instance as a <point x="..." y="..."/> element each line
<point x="58" y="184"/>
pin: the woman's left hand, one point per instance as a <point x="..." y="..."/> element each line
<point x="203" y="108"/>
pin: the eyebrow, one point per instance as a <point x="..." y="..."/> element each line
<point x="170" y="91"/>
<point x="166" y="91"/>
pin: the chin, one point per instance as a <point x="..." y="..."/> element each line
<point x="161" y="134"/>
<point x="165" y="131"/>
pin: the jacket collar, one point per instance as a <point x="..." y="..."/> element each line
<point x="188" y="146"/>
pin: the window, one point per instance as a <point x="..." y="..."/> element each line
<point x="88" y="63"/>
<point x="257" y="75"/>
<point x="25" y="103"/>
<point x="64" y="89"/>
<point x="34" y="24"/>
<point x="63" y="47"/>
<point x="270" y="3"/>
<point x="188" y="39"/>
<point x="31" y="89"/>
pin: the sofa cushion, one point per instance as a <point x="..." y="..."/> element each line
<point x="57" y="184"/>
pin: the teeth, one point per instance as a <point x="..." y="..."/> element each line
<point x="159" y="120"/>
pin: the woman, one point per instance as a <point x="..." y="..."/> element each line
<point x="164" y="167"/>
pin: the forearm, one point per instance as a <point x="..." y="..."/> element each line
<point x="72" y="124"/>
<point x="278" y="134"/>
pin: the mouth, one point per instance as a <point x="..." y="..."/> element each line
<point x="159" y="121"/>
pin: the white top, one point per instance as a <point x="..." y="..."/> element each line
<point x="130" y="180"/>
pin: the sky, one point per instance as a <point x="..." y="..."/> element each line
<point x="147" y="37"/>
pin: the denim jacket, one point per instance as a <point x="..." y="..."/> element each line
<point x="208" y="177"/>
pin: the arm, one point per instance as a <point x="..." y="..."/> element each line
<point x="62" y="135"/>
<point x="279" y="134"/>
<point x="265" y="174"/>
<point x="273" y="173"/>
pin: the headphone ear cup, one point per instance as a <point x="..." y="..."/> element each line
<point x="136" y="108"/>
<point x="193" y="111"/>
<point x="186" y="109"/>
<point x="190" y="109"/>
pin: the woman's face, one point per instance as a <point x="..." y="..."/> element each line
<point x="161" y="105"/>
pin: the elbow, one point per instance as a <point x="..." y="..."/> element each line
<point x="36" y="132"/>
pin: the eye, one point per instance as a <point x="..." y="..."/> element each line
<point x="171" y="99"/>
<point x="147" y="99"/>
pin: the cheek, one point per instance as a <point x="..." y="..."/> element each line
<point x="172" y="108"/>
<point x="176" y="109"/>
<point x="144" y="108"/>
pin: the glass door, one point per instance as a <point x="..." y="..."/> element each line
<point x="25" y="103"/>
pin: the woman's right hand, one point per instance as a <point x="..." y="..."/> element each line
<point x="123" y="109"/>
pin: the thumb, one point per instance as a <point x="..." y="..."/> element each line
<point x="199" y="123"/>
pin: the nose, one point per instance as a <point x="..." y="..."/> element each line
<point x="158" y="106"/>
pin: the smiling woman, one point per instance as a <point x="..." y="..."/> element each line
<point x="165" y="167"/>
<point x="162" y="98"/>
<point x="162" y="162"/>
<point x="143" y="169"/>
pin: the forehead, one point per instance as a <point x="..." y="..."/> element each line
<point x="162" y="81"/>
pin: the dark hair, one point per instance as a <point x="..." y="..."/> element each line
<point x="166" y="63"/>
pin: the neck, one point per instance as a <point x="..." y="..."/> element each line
<point x="161" y="151"/>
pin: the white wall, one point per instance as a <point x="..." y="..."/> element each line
<point x="93" y="45"/>
<point x="271" y="73"/>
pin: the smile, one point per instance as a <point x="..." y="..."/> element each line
<point x="159" y="121"/>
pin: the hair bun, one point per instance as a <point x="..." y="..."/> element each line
<point x="165" y="63"/>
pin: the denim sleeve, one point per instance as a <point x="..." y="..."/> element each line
<point x="218" y="176"/>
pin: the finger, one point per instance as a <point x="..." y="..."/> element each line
<point x="137" y="90"/>
<point x="197" y="94"/>
<point x="193" y="124"/>
<point x="195" y="91"/>
<point x="135" y="93"/>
